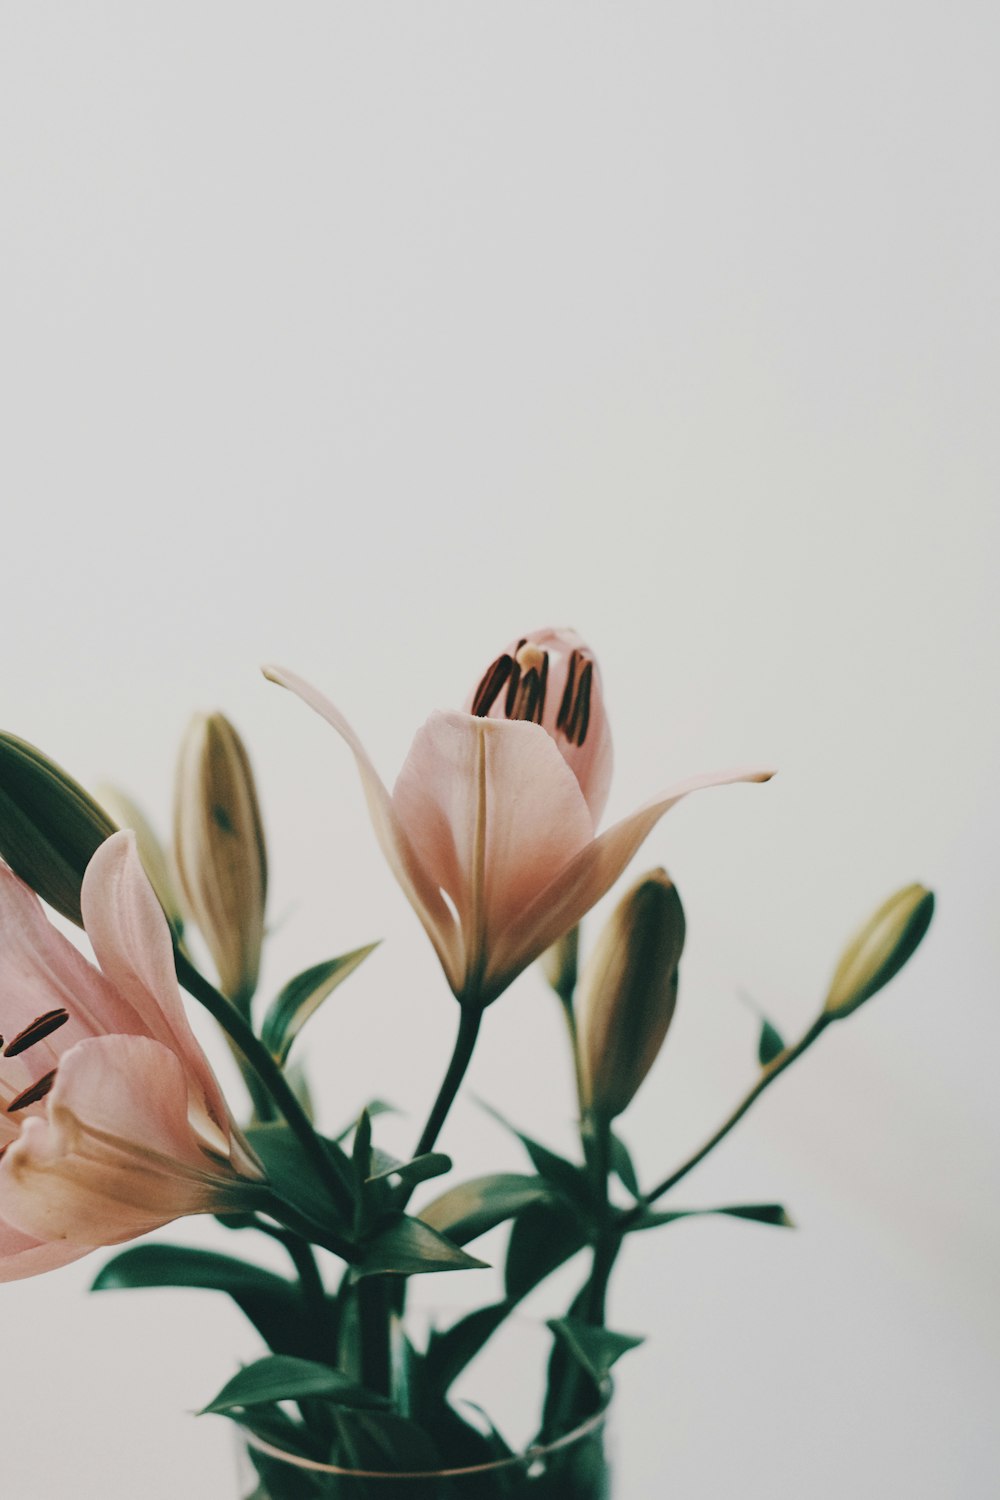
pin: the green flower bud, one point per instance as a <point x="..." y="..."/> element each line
<point x="49" y="826"/>
<point x="128" y="814"/>
<point x="628" y="992"/>
<point x="220" y="852"/>
<point x="559" y="963"/>
<point x="879" y="950"/>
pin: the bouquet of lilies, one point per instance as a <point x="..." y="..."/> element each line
<point x="112" y="1123"/>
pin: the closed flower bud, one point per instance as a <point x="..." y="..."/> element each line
<point x="49" y="826"/>
<point x="219" y="850"/>
<point x="152" y="856"/>
<point x="559" y="963"/>
<point x="881" y="948"/>
<point x="628" y="992"/>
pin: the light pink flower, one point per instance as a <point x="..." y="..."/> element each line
<point x="111" y="1120"/>
<point x="489" y="832"/>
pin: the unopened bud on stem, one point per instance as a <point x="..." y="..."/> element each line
<point x="628" y="991"/>
<point x="881" y="948"/>
<point x="219" y="850"/>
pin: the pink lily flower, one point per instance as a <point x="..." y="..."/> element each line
<point x="490" y="826"/>
<point x="111" y="1120"/>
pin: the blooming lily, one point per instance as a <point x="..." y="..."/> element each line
<point x="111" y="1120"/>
<point x="490" y="827"/>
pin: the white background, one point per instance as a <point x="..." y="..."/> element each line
<point x="364" y="337"/>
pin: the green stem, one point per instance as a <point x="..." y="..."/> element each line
<point x="468" y="1031"/>
<point x="773" y="1070"/>
<point x="260" y="1061"/>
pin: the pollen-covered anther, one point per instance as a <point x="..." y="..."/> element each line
<point x="526" y="696"/>
<point x="36" y="1031"/>
<point x="573" y="718"/>
<point x="33" y="1092"/>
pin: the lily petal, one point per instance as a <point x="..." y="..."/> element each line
<point x="22" y="1255"/>
<point x="421" y="890"/>
<point x="115" y="1155"/>
<point x="588" y="877"/>
<point x="131" y="940"/>
<point x="493" y="811"/>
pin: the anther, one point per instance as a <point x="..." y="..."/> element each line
<point x="489" y="689"/>
<point x="573" y="717"/>
<point x="39" y="1028"/>
<point x="33" y="1093"/>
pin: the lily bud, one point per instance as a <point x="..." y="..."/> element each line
<point x="628" y="992"/>
<point x="49" y="826"/>
<point x="881" y="948"/>
<point x="152" y="855"/>
<point x="559" y="963"/>
<point x="219" y="850"/>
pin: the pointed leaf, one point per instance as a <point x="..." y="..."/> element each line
<point x="562" y="1174"/>
<point x="292" y="1175"/>
<point x="419" y="1169"/>
<point x="545" y="1235"/>
<point x="759" y="1213"/>
<point x="596" y="1349"/>
<point x="273" y="1305"/>
<point x="450" y="1351"/>
<point x="281" y="1377"/>
<point x="473" y="1207"/>
<point x="374" y="1107"/>
<point x="770" y="1045"/>
<point x="406" y="1246"/>
<point x="621" y="1164"/>
<point x="302" y="998"/>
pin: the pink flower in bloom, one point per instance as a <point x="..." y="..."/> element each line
<point x="111" y="1120"/>
<point x="490" y="828"/>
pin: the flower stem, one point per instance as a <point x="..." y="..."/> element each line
<point x="270" y="1075"/>
<point x="468" y="1031"/>
<point x="770" y="1073"/>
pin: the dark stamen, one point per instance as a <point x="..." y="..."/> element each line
<point x="579" y="721"/>
<point x="567" y="698"/>
<point x="489" y="689"/>
<point x="33" y="1093"/>
<point x="512" y="687"/>
<point x="40" y="1027"/>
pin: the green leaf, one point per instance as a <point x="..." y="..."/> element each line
<point x="474" y="1207"/>
<point x="374" y="1108"/>
<point x="759" y="1213"/>
<point x="293" y="1177"/>
<point x="596" y="1349"/>
<point x="449" y="1352"/>
<point x="621" y="1164"/>
<point x="562" y="1174"/>
<point x="280" y="1377"/>
<point x="770" y="1045"/>
<point x="382" y="1441"/>
<point x="302" y="998"/>
<point x="419" y="1169"/>
<point x="406" y="1246"/>
<point x="544" y="1236"/>
<point x="272" y="1304"/>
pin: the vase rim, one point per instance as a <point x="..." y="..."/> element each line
<point x="531" y="1454"/>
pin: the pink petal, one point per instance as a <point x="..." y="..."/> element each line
<point x="588" y="877"/>
<point x="40" y="970"/>
<point x="116" y="1155"/>
<point x="493" y="813"/>
<point x="130" y="936"/>
<point x="404" y="860"/>
<point x="22" y="1255"/>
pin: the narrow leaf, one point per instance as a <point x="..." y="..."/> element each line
<point x="770" y="1045"/>
<point x="759" y="1213"/>
<point x="292" y="1175"/>
<point x="302" y="998"/>
<point x="596" y="1349"/>
<point x="406" y="1246"/>
<point x="281" y="1377"/>
<point x="562" y="1174"/>
<point x="419" y="1169"/>
<point x="545" y="1235"/>
<point x="470" y="1209"/>
<point x="621" y="1164"/>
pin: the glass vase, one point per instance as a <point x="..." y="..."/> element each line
<point x="573" y="1467"/>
